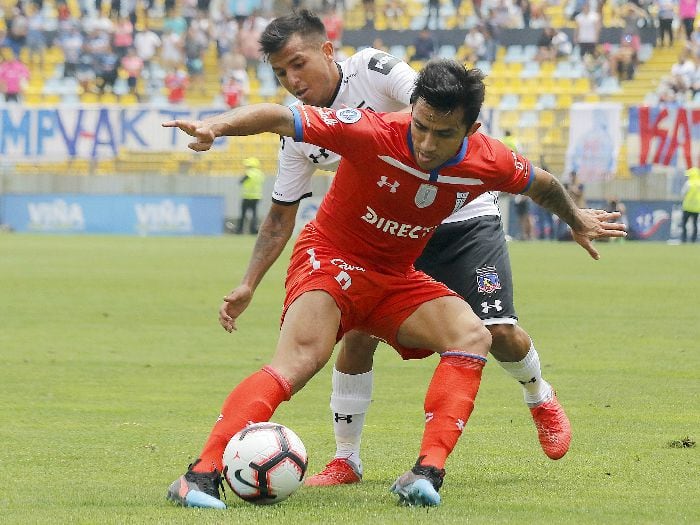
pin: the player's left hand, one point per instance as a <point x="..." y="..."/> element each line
<point x="233" y="306"/>
<point x="194" y="128"/>
<point x="596" y="224"/>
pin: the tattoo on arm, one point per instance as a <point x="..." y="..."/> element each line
<point x="549" y="193"/>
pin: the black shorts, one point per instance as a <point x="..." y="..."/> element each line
<point x="471" y="258"/>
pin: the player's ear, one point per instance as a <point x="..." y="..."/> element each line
<point x="473" y="128"/>
<point x="328" y="50"/>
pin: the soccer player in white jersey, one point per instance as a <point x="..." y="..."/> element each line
<point x="399" y="177"/>
<point x="468" y="253"/>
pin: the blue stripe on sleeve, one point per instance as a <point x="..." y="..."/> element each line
<point x="298" y="130"/>
<point x="532" y="177"/>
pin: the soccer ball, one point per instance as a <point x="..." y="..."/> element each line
<point x="265" y="463"/>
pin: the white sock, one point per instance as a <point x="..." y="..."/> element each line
<point x="350" y="400"/>
<point x="529" y="374"/>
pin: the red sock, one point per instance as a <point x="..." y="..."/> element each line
<point x="252" y="401"/>
<point x="448" y="404"/>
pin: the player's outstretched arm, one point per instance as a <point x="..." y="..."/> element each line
<point x="245" y="120"/>
<point x="273" y="236"/>
<point x="586" y="224"/>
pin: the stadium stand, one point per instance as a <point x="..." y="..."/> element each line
<point x="533" y="97"/>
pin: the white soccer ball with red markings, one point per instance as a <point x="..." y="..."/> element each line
<point x="265" y="463"/>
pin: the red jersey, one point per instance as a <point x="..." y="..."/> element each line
<point x="381" y="207"/>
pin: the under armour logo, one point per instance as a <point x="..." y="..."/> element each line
<point x="485" y="306"/>
<point x="321" y="154"/>
<point x="460" y="425"/>
<point x="533" y="380"/>
<point x="384" y="182"/>
<point x="428" y="417"/>
<point x="347" y="419"/>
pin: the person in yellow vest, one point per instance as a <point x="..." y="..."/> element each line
<point x="251" y="193"/>
<point x="691" y="203"/>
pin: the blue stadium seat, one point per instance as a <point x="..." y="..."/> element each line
<point x="530" y="70"/>
<point x="447" y="51"/>
<point x="484" y="66"/>
<point x="514" y="53"/>
<point x="509" y="101"/>
<point x="398" y="51"/>
<point x="547" y="101"/>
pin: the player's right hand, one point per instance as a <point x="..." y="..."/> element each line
<point x="234" y="305"/>
<point x="194" y="128"/>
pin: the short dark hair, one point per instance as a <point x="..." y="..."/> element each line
<point x="277" y="33"/>
<point x="446" y="84"/>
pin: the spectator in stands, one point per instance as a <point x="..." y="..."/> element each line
<point x="17" y="26"/>
<point x="687" y="11"/>
<point x="196" y="43"/>
<point x="176" y="83"/>
<point x="598" y="66"/>
<point x="106" y="69"/>
<point x="634" y="16"/>
<point x="665" y="14"/>
<point x="369" y="8"/>
<point x="333" y="23"/>
<point x="425" y="46"/>
<point x="526" y="11"/>
<point x="624" y="60"/>
<point x="587" y="33"/>
<point x="683" y="72"/>
<point x="475" y="41"/>
<point x="378" y="43"/>
<point x="225" y="32"/>
<point x="393" y="13"/>
<point x="235" y="83"/>
<point x="433" y="14"/>
<point x="174" y="22"/>
<point x="123" y="37"/>
<point x="545" y="47"/>
<point x="147" y="43"/>
<point x="249" y="33"/>
<point x="36" y="39"/>
<point x="172" y="50"/>
<point x="71" y="43"/>
<point x="132" y="64"/>
<point x="14" y="75"/>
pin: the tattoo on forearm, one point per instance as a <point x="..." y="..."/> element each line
<point x="555" y="198"/>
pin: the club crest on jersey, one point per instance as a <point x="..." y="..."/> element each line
<point x="460" y="200"/>
<point x="425" y="195"/>
<point x="348" y="115"/>
<point x="487" y="280"/>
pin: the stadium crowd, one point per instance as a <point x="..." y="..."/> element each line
<point x="154" y="50"/>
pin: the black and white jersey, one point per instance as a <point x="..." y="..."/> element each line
<point x="371" y="79"/>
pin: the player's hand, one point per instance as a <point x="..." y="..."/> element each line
<point x="595" y="224"/>
<point x="203" y="133"/>
<point x="234" y="305"/>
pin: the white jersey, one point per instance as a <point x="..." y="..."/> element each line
<point x="370" y="79"/>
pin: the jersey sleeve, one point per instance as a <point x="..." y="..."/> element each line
<point x="391" y="77"/>
<point x="294" y="172"/>
<point x="514" y="172"/>
<point x="346" y="131"/>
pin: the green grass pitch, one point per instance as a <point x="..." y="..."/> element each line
<point x="114" y="367"/>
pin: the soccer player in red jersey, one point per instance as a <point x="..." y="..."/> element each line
<point x="401" y="174"/>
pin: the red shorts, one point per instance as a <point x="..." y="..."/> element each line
<point x="375" y="302"/>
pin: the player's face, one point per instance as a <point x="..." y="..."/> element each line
<point x="306" y="68"/>
<point x="437" y="136"/>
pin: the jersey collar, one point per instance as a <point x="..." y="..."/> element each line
<point x="337" y="88"/>
<point x="459" y="156"/>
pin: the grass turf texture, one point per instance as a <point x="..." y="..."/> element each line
<point x="114" y="367"/>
